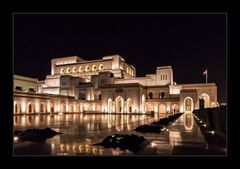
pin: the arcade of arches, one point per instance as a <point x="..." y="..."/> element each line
<point x="117" y="105"/>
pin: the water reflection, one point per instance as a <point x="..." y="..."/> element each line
<point x="78" y="149"/>
<point x="175" y="137"/>
<point x="81" y="131"/>
<point x="185" y="132"/>
<point x="188" y="121"/>
<point x="85" y="149"/>
<point x="85" y="121"/>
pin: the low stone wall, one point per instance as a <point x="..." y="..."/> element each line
<point x="215" y="118"/>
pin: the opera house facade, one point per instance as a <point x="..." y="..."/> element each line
<point x="108" y="85"/>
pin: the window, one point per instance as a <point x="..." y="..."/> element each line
<point x="30" y="108"/>
<point x="102" y="81"/>
<point x="31" y="90"/>
<point x="150" y="95"/>
<point x="101" y="67"/>
<point x="18" y="88"/>
<point x="16" y="108"/>
<point x="94" y="68"/>
<point x="80" y="69"/>
<point x="74" y="69"/>
<point x="166" y="77"/>
<point x="188" y="104"/>
<point x="162" y="94"/>
<point x="64" y="83"/>
<point x="81" y="96"/>
<point x="41" y="108"/>
<point x="87" y="68"/>
<point x="62" y="71"/>
<point x="68" y="70"/>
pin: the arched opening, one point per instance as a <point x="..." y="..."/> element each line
<point x="162" y="94"/>
<point x="62" y="71"/>
<point x="162" y="108"/>
<point x="74" y="70"/>
<point x="80" y="69"/>
<point x="130" y="71"/>
<point x="129" y="105"/>
<point x="94" y="68"/>
<point x="86" y="107"/>
<point x="51" y="108"/>
<point x="30" y="108"/>
<point x="77" y="108"/>
<point x="63" y="108"/>
<point x="99" y="96"/>
<point x="17" y="108"/>
<point x="101" y="67"/>
<point x="109" y="106"/>
<point x="70" y="108"/>
<point x="92" y="107"/>
<point x="150" y="95"/>
<point x="143" y="103"/>
<point x="204" y="101"/>
<point x="188" y="104"/>
<point x="98" y="108"/>
<point x="175" y="108"/>
<point x="149" y="107"/>
<point x="42" y="108"/>
<point x="86" y="68"/>
<point x="68" y="70"/>
<point x="119" y="104"/>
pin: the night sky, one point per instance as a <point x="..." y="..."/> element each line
<point x="190" y="43"/>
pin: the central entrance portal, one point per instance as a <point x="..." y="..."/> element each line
<point x="119" y="104"/>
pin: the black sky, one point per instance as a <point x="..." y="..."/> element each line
<point x="190" y="43"/>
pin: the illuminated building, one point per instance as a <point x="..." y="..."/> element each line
<point x="107" y="85"/>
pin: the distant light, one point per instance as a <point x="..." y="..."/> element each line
<point x="200" y="121"/>
<point x="212" y="132"/>
<point x="15" y="138"/>
<point x="153" y="144"/>
<point x="204" y="125"/>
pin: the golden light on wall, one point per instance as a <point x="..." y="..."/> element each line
<point x="155" y="108"/>
<point x="93" y="107"/>
<point x="23" y="105"/>
<point x="37" y="106"/>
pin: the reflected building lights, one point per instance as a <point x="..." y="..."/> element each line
<point x="174" y="137"/>
<point x="91" y="122"/>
